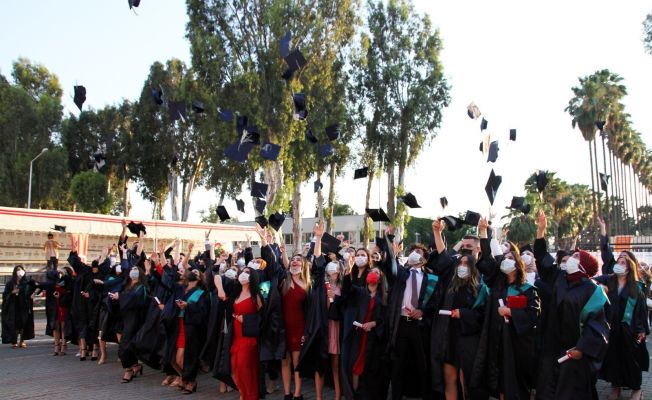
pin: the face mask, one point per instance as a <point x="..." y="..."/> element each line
<point x="243" y="278"/>
<point x="414" y="258"/>
<point x="118" y="269"/>
<point x="620" y="270"/>
<point x="241" y="262"/>
<point x="530" y="277"/>
<point x="506" y="249"/>
<point x="346" y="256"/>
<point x="372" y="279"/>
<point x="20" y="273"/>
<point x="331" y="268"/>
<point x="230" y="274"/>
<point x="527" y="259"/>
<point x="562" y="266"/>
<point x="134" y="274"/>
<point x="361" y="261"/>
<point x="254" y="265"/>
<point x="507" y="266"/>
<point x="182" y="270"/>
<point x="572" y="265"/>
<point x="112" y="261"/>
<point x="222" y="268"/>
<point x="295" y="270"/>
<point x="462" y="271"/>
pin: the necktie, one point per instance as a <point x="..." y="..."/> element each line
<point x="415" y="293"/>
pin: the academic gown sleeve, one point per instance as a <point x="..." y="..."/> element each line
<point x="197" y="313"/>
<point x="545" y="263"/>
<point x="487" y="264"/>
<point x="471" y="320"/>
<point x="594" y="337"/>
<point x="77" y="264"/>
<point x="607" y="255"/>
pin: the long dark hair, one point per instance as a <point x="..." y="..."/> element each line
<point x="632" y="278"/>
<point x="473" y="280"/>
<point x="14" y="275"/>
<point x="254" y="285"/>
<point x="141" y="279"/>
<point x="520" y="267"/>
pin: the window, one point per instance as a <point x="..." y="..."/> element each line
<point x="287" y="238"/>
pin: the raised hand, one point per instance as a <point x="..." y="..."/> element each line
<point x="438" y="226"/>
<point x="603" y="226"/>
<point x="318" y="229"/>
<point x="542" y="224"/>
<point x="482" y="227"/>
<point x="208" y="233"/>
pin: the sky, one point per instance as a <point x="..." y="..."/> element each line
<point x="516" y="60"/>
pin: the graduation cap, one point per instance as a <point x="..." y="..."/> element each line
<point x="270" y="151"/>
<point x="60" y="228"/>
<point x="333" y="132"/>
<point x="100" y="160"/>
<point x="512" y="135"/>
<point x="80" y="96"/>
<point x="240" y="205"/>
<point x="198" y="106"/>
<point x="261" y="220"/>
<point x="225" y="114"/>
<point x="300" y="110"/>
<point x="222" y="213"/>
<point x="453" y="223"/>
<point x="177" y="110"/>
<point x="542" y="181"/>
<point x="318" y="185"/>
<point x="410" y="201"/>
<point x="326" y="150"/>
<point x="258" y="189"/>
<point x="484" y="144"/>
<point x="444" y="202"/>
<point x="276" y="220"/>
<point x="377" y="214"/>
<point x="241" y="124"/>
<point x="473" y="111"/>
<point x="527" y="247"/>
<point x="238" y="151"/>
<point x="329" y="243"/>
<point x="492" y="155"/>
<point x="285" y="44"/>
<point x="604" y="181"/>
<point x="361" y="173"/>
<point x="250" y="135"/>
<point x="133" y="3"/>
<point x="260" y="206"/>
<point x="295" y="61"/>
<point x="472" y="218"/>
<point x="518" y="203"/>
<point x="483" y="124"/>
<point x="135" y="228"/>
<point x="157" y="95"/>
<point x="600" y="125"/>
<point x="311" y="136"/>
<point x="174" y="161"/>
<point x="491" y="188"/>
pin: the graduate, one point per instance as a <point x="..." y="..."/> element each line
<point x="18" y="309"/>
<point x="335" y="296"/>
<point x="226" y="285"/>
<point x="505" y="362"/>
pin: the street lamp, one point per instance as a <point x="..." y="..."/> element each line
<point x="29" y="191"/>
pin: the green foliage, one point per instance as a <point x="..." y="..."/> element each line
<point x="89" y="192"/>
<point x="421" y="227"/>
<point x="342" y="209"/>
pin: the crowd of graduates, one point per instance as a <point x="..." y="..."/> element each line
<point x="478" y="319"/>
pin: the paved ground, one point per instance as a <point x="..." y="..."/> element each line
<point x="33" y="373"/>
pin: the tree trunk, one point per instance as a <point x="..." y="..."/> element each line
<point x="174" y="188"/>
<point x="320" y="205"/>
<point x="366" y="220"/>
<point x="592" y="179"/>
<point x="399" y="220"/>
<point x="597" y="175"/>
<point x="273" y="177"/>
<point x="222" y="194"/>
<point x="614" y="196"/>
<point x="125" y="199"/>
<point x="296" y="218"/>
<point x="607" y="216"/>
<point x="632" y="180"/>
<point x="391" y="193"/>
<point x="331" y="198"/>
<point x="625" y="198"/>
<point x="189" y="188"/>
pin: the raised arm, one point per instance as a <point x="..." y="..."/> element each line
<point x="318" y="232"/>
<point x="544" y="261"/>
<point x="123" y="234"/>
<point x="606" y="253"/>
<point x="437" y="229"/>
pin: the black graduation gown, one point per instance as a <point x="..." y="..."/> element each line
<point x="132" y="312"/>
<point x="18" y="310"/>
<point x="85" y="311"/>
<point x="506" y="355"/>
<point x="272" y="343"/>
<point x="222" y="364"/>
<point x="374" y="381"/>
<point x="51" y="277"/>
<point x="576" y="318"/>
<point x="207" y="353"/>
<point x="109" y="321"/>
<point x="625" y="357"/>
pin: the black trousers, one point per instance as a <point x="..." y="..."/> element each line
<point x="410" y="355"/>
<point x="53" y="263"/>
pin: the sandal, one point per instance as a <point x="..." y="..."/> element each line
<point x="128" y="376"/>
<point x="82" y="354"/>
<point x="23" y="345"/>
<point x="64" y="346"/>
<point x="168" y="380"/>
<point x="137" y="369"/>
<point x="190" y="388"/>
<point x="56" y="348"/>
<point x="14" y="346"/>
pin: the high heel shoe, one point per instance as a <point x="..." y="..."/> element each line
<point x="190" y="388"/>
<point x="128" y="376"/>
<point x="64" y="347"/>
<point x="168" y="380"/>
<point x="288" y="397"/>
<point x="300" y="397"/>
<point x="56" y="348"/>
<point x="137" y="369"/>
<point x="82" y="354"/>
<point x="94" y="355"/>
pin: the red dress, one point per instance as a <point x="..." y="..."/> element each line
<point x="244" y="353"/>
<point x="295" y="320"/>
<point x="358" y="367"/>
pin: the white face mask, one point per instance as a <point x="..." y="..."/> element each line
<point x="346" y="256"/>
<point x="414" y="258"/>
<point x="20" y="273"/>
<point x="527" y="259"/>
<point x="222" y="267"/>
<point x="295" y="270"/>
<point x="620" y="270"/>
<point x="181" y="269"/>
<point x="230" y="273"/>
<point x="507" y="266"/>
<point x="562" y="266"/>
<point x="134" y="274"/>
<point x="241" y="262"/>
<point x="572" y="265"/>
<point x="254" y="265"/>
<point x="243" y="278"/>
<point x="118" y="269"/>
<point x="462" y="271"/>
<point x="113" y="261"/>
<point x="506" y="248"/>
<point x="530" y="277"/>
<point x="331" y="268"/>
<point x="361" y="261"/>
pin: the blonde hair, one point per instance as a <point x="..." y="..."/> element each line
<point x="305" y="274"/>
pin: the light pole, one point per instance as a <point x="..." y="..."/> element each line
<point x="29" y="191"/>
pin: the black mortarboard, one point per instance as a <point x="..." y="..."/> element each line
<point x="326" y="150"/>
<point x="176" y="110"/>
<point x="135" y="228"/>
<point x="222" y="213"/>
<point x="198" y="106"/>
<point x="276" y="220"/>
<point x="472" y="218"/>
<point x="333" y="131"/>
<point x="258" y="189"/>
<point x="60" y="228"/>
<point x="311" y="136"/>
<point x="542" y="181"/>
<point x="330" y="244"/>
<point x="260" y="206"/>
<point x="473" y="111"/>
<point x="300" y="110"/>
<point x="444" y="202"/>
<point x="80" y="96"/>
<point x="250" y="135"/>
<point x="318" y="185"/>
<point x="518" y="203"/>
<point x="157" y="95"/>
<point x="483" y="124"/>
<point x="361" y="173"/>
<point x="512" y="134"/>
<point x="600" y="125"/>
<point x="410" y="201"/>
<point x="133" y="3"/>
<point x="285" y="44"/>
<point x="240" y="204"/>
<point x="527" y="247"/>
<point x="100" y="160"/>
<point x="241" y="124"/>
<point x="269" y="151"/>
<point x="377" y="214"/>
<point x="453" y="223"/>
<point x="604" y="181"/>
<point x="238" y="152"/>
<point x="225" y="114"/>
<point x="493" y="151"/>
<point x="491" y="188"/>
<point x="261" y="220"/>
<point x="295" y="60"/>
